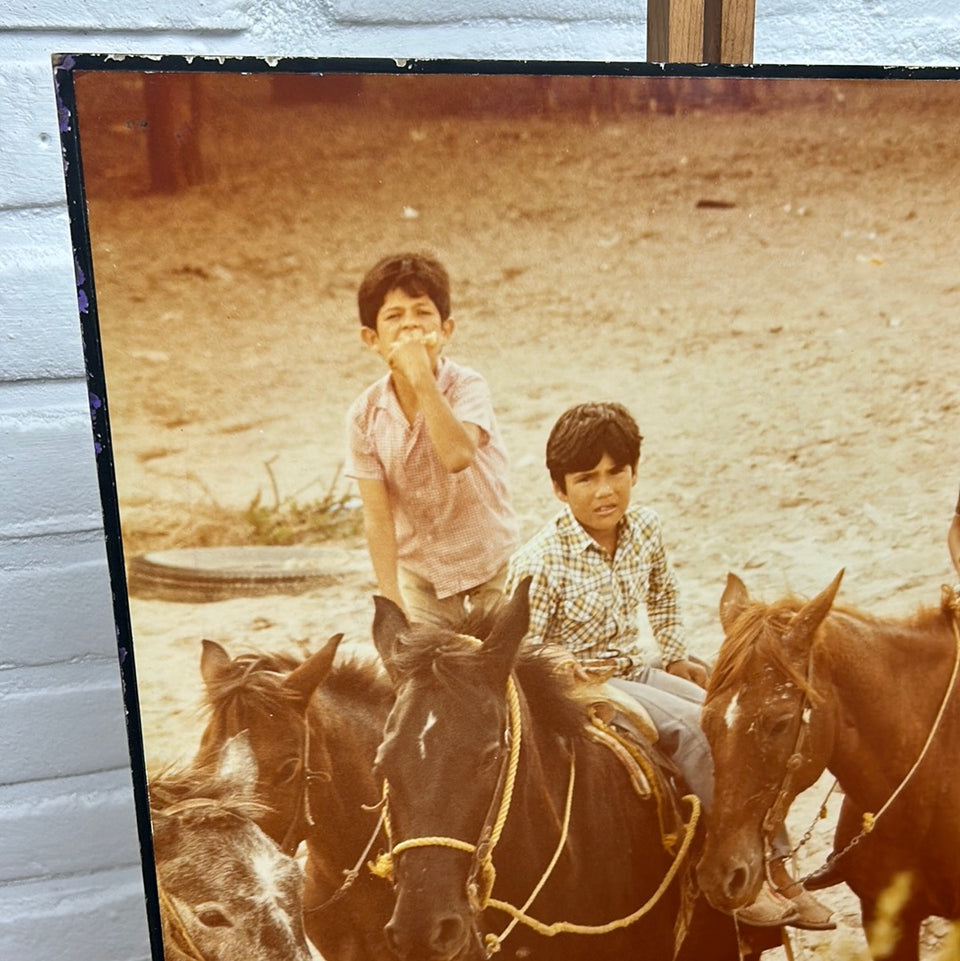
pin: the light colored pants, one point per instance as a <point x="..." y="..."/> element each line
<point x="423" y="605"/>
<point x="673" y="704"/>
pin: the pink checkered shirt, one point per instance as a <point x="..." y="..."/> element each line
<point x="454" y="530"/>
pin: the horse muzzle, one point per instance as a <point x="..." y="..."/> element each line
<point x="434" y="937"/>
<point x="729" y="883"/>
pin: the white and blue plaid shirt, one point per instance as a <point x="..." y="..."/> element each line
<point x="590" y="603"/>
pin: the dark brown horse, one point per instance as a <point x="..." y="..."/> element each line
<point x="800" y="687"/>
<point x="513" y="829"/>
<point x="314" y="728"/>
<point x="226" y="890"/>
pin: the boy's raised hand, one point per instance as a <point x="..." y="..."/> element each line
<point x="410" y="356"/>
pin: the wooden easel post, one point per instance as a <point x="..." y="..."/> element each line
<point x="700" y="31"/>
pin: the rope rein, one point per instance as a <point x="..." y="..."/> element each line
<point x="951" y="601"/>
<point x="183" y="944"/>
<point x="483" y="874"/>
<point x="186" y="946"/>
<point x="569" y="927"/>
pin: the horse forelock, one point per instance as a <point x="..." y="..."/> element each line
<point x="173" y="789"/>
<point x="254" y="680"/>
<point x="754" y="640"/>
<point x="254" y="683"/>
<point x="547" y="677"/>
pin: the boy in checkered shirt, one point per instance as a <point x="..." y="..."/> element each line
<point x="426" y="453"/>
<point x="595" y="567"/>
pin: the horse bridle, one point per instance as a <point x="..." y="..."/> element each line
<point x="303" y="812"/>
<point x="775" y="816"/>
<point x="481" y="876"/>
<point x="777" y="812"/>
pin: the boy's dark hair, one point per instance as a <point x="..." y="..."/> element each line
<point x="583" y="434"/>
<point x="416" y="274"/>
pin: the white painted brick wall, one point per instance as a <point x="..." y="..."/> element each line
<point x="70" y="884"/>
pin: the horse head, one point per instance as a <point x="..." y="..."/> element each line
<point x="226" y="890"/>
<point x="767" y="739"/>
<point x="268" y="696"/>
<point x="443" y="761"/>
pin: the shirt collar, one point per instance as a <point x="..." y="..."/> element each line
<point x="572" y="532"/>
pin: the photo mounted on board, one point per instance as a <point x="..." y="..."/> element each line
<point x="333" y="312"/>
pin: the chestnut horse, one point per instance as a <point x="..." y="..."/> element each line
<point x="799" y="687"/>
<point x="313" y="727"/>
<point x="510" y="828"/>
<point x="226" y="890"/>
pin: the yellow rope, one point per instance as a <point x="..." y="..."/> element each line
<point x="949" y="600"/>
<point x="569" y="927"/>
<point x="561" y="843"/>
<point x="383" y="867"/>
<point x="434" y="842"/>
<point x="177" y="925"/>
<point x="516" y="734"/>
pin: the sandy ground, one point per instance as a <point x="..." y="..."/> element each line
<point x="770" y="287"/>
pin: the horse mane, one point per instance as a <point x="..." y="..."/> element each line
<point x="547" y="675"/>
<point x="256" y="680"/>
<point x="760" y="627"/>
<point x="173" y="789"/>
<point x="758" y="630"/>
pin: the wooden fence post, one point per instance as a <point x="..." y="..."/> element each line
<point x="700" y="31"/>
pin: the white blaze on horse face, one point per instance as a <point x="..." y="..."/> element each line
<point x="732" y="712"/>
<point x="266" y="868"/>
<point x="422" y="740"/>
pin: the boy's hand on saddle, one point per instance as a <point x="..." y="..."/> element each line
<point x="689" y="671"/>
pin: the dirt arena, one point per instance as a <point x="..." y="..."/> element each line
<point x="766" y="278"/>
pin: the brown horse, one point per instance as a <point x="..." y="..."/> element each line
<point x="314" y="728"/>
<point x="798" y="688"/>
<point x="226" y="890"/>
<point x="511" y="828"/>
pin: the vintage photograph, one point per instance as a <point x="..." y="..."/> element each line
<point x="446" y="337"/>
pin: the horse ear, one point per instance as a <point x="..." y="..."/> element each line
<point x="306" y="678"/>
<point x="238" y="765"/>
<point x="809" y="617"/>
<point x="389" y="622"/>
<point x="214" y="662"/>
<point x="733" y="602"/>
<point x="500" y="648"/>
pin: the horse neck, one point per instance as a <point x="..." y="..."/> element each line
<point x="540" y="804"/>
<point x="882" y="684"/>
<point x="604" y="826"/>
<point x="344" y="734"/>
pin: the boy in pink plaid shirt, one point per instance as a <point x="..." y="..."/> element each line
<point x="425" y="450"/>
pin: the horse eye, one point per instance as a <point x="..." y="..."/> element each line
<point x="780" y="726"/>
<point x="287" y="771"/>
<point x="212" y="917"/>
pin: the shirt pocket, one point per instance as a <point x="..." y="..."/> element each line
<point x="590" y="623"/>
